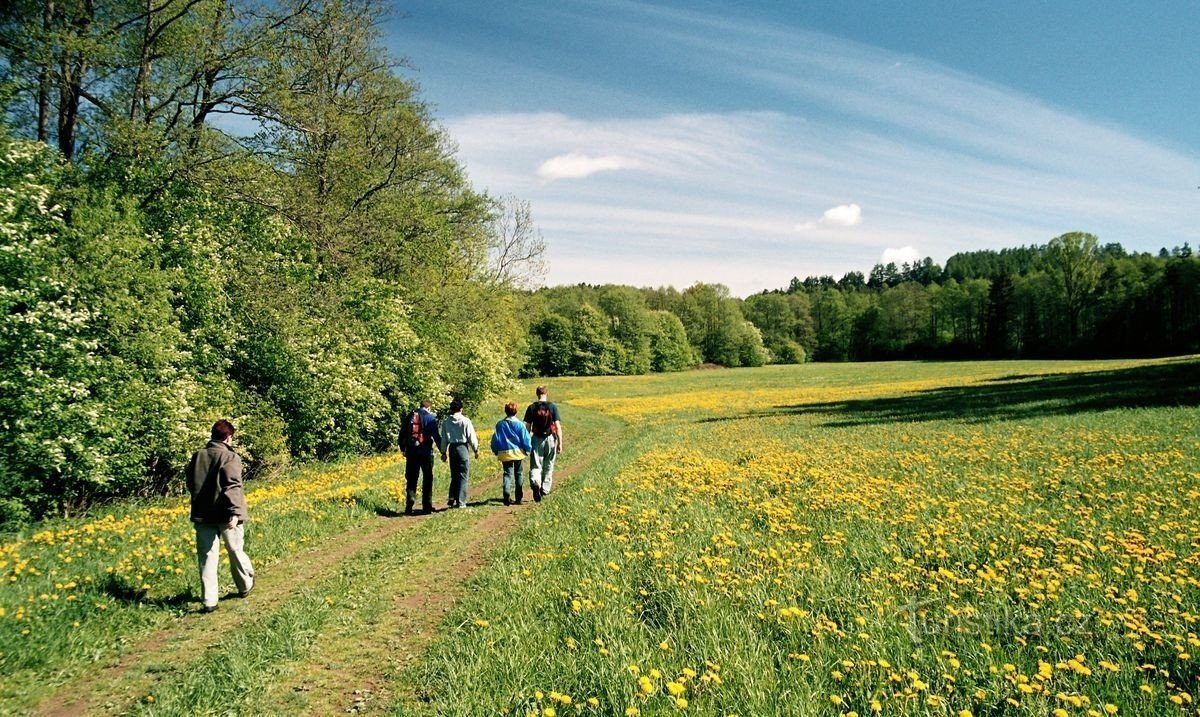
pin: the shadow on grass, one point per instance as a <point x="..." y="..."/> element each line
<point x="123" y="592"/>
<point x="1017" y="397"/>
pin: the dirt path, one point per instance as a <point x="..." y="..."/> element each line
<point x="353" y="668"/>
<point x="348" y="666"/>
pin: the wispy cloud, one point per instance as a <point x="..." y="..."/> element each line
<point x="575" y="165"/>
<point x="942" y="160"/>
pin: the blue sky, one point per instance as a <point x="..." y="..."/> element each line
<point x="747" y="143"/>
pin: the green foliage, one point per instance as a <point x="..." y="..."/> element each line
<point x="585" y="330"/>
<point x="670" y="350"/>
<point x="596" y="352"/>
<point x="95" y="393"/>
<point x="312" y="280"/>
<point x="1071" y="297"/>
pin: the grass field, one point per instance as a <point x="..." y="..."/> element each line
<point x="901" y="538"/>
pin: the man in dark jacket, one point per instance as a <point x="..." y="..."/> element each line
<point x="417" y="440"/>
<point x="214" y="478"/>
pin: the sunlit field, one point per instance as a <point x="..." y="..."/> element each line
<point x="898" y="538"/>
<point x="912" y="538"/>
<point x="74" y="589"/>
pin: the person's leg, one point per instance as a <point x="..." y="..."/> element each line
<point x="517" y="466"/>
<point x="536" y="458"/>
<point x="551" y="447"/>
<point x="239" y="562"/>
<point x="506" y="482"/>
<point x="411" y="470"/>
<point x="455" y="477"/>
<point x="207" y="556"/>
<point x="427" y="484"/>
<point x="464" y="474"/>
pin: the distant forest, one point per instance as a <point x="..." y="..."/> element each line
<point x="1072" y="297"/>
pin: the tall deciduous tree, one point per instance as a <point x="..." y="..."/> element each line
<point x="1072" y="261"/>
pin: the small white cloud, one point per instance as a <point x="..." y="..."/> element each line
<point x="577" y="166"/>
<point x="903" y="255"/>
<point x="843" y="215"/>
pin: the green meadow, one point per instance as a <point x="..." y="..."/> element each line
<point x="975" y="538"/>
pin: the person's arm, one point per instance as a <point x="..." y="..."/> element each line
<point x="230" y="477"/>
<point x="472" y="437"/>
<point x="558" y="432"/>
<point x="190" y="484"/>
<point x="437" y="437"/>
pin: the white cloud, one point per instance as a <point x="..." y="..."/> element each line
<point x="843" y="215"/>
<point x="576" y="165"/>
<point x="903" y="255"/>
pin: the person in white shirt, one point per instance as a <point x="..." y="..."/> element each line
<point x="458" y="437"/>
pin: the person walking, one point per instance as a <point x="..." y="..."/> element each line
<point x="214" y="479"/>
<point x="511" y="443"/>
<point x="541" y="418"/>
<point x="458" y="435"/>
<point x="417" y="439"/>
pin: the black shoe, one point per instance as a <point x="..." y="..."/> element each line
<point x="208" y="608"/>
<point x="408" y="510"/>
<point x="246" y="592"/>
<point x="507" y="500"/>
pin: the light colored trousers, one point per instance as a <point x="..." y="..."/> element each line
<point x="541" y="462"/>
<point x="208" y="553"/>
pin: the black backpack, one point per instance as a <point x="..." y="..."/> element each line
<point x="543" y="419"/>
<point x="416" y="433"/>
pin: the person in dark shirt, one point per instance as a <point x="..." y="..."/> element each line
<point x="418" y="438"/>
<point x="541" y="418"/>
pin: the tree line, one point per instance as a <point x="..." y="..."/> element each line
<point x="229" y="208"/>
<point x="1072" y="297"/>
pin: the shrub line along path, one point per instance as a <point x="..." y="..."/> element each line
<point x="354" y="663"/>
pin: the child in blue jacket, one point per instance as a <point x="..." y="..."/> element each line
<point x="511" y="443"/>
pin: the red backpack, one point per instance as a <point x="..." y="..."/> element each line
<point x="416" y="434"/>
<point x="543" y="419"/>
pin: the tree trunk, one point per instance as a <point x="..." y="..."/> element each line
<point x="138" y="101"/>
<point x="44" y="81"/>
<point x="70" y="86"/>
